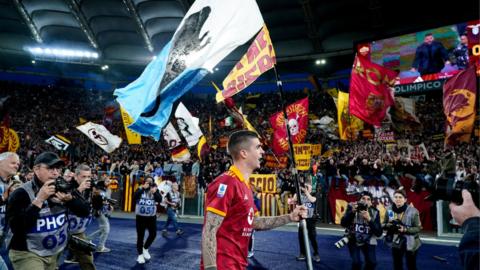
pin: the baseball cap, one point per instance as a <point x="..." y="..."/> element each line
<point x="50" y="159"/>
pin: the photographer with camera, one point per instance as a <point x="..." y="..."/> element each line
<point x="78" y="225"/>
<point x="467" y="215"/>
<point x="402" y="223"/>
<point x="37" y="216"/>
<point x="146" y="198"/>
<point x="102" y="205"/>
<point x="173" y="203"/>
<point x="362" y="225"/>
<point x="309" y="202"/>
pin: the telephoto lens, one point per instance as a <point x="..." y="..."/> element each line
<point x="342" y="242"/>
<point x="447" y="189"/>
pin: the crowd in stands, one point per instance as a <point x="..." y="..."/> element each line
<point x="38" y="112"/>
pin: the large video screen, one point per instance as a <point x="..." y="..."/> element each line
<point x="424" y="59"/>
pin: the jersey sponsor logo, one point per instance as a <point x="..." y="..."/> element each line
<point x="250" y="216"/>
<point x="221" y="190"/>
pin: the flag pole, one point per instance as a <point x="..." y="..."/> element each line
<point x="303" y="224"/>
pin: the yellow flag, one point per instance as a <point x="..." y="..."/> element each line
<point x="132" y="137"/>
<point x="348" y="125"/>
<point x="82" y="120"/>
<point x="259" y="58"/>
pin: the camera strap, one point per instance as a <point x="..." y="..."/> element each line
<point x="401" y="215"/>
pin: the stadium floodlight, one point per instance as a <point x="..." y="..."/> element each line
<point x="62" y="54"/>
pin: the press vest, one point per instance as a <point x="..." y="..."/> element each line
<point x="362" y="231"/>
<point x="3" y="208"/>
<point x="49" y="236"/>
<point x="309" y="205"/>
<point x="146" y="206"/>
<point x="407" y="219"/>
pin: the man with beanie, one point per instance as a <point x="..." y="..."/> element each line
<point x="362" y="223"/>
<point x="37" y="216"/>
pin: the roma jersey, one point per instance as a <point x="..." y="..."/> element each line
<point x="230" y="196"/>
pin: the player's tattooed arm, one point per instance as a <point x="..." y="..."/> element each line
<point x="267" y="223"/>
<point x="209" y="240"/>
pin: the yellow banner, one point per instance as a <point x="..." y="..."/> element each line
<point x="13" y="141"/>
<point x="302" y="156"/>
<point x="132" y="137"/>
<point x="259" y="58"/>
<point x="348" y="125"/>
<point x="316" y="149"/>
<point x="266" y="182"/>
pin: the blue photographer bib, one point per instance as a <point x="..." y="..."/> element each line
<point x="146" y="206"/>
<point x="77" y="224"/>
<point x="3" y="208"/>
<point x="309" y="205"/>
<point x="49" y="236"/>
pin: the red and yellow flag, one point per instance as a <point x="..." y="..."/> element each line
<point x="370" y="93"/>
<point x="459" y="101"/>
<point x="259" y="58"/>
<point x="297" y="114"/>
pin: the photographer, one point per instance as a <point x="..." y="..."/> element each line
<point x="309" y="202"/>
<point x="467" y="215"/>
<point x="362" y="223"/>
<point x="402" y="223"/>
<point x="172" y="200"/>
<point x="36" y="214"/>
<point x="77" y="225"/>
<point x="101" y="204"/>
<point x="146" y="198"/>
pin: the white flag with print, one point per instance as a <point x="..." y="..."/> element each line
<point x="186" y="123"/>
<point x="171" y="136"/>
<point x="101" y="136"/>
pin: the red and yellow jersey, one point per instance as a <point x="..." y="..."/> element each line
<point x="230" y="196"/>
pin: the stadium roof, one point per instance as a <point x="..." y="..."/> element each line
<point x="128" y="33"/>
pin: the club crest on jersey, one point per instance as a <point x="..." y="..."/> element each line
<point x="221" y="190"/>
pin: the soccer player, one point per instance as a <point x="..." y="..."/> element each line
<point x="230" y="214"/>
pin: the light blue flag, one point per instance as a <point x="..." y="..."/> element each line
<point x="210" y="30"/>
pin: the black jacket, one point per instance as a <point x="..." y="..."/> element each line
<point x="468" y="248"/>
<point x="22" y="215"/>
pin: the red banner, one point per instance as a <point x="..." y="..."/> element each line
<point x="297" y="114"/>
<point x="370" y="93"/>
<point x="459" y="98"/>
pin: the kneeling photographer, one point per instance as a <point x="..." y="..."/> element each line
<point x="402" y="224"/>
<point x="37" y="216"/>
<point x="79" y="246"/>
<point x="362" y="223"/>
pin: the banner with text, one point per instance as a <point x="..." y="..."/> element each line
<point x="302" y="156"/>
<point x="266" y="182"/>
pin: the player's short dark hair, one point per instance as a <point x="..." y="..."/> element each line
<point x="240" y="140"/>
<point x="428" y="34"/>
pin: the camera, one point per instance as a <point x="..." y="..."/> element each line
<point x="394" y="226"/>
<point x="361" y="206"/>
<point x="447" y="189"/>
<point x="342" y="242"/>
<point x="62" y="185"/>
<point x="113" y="202"/>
